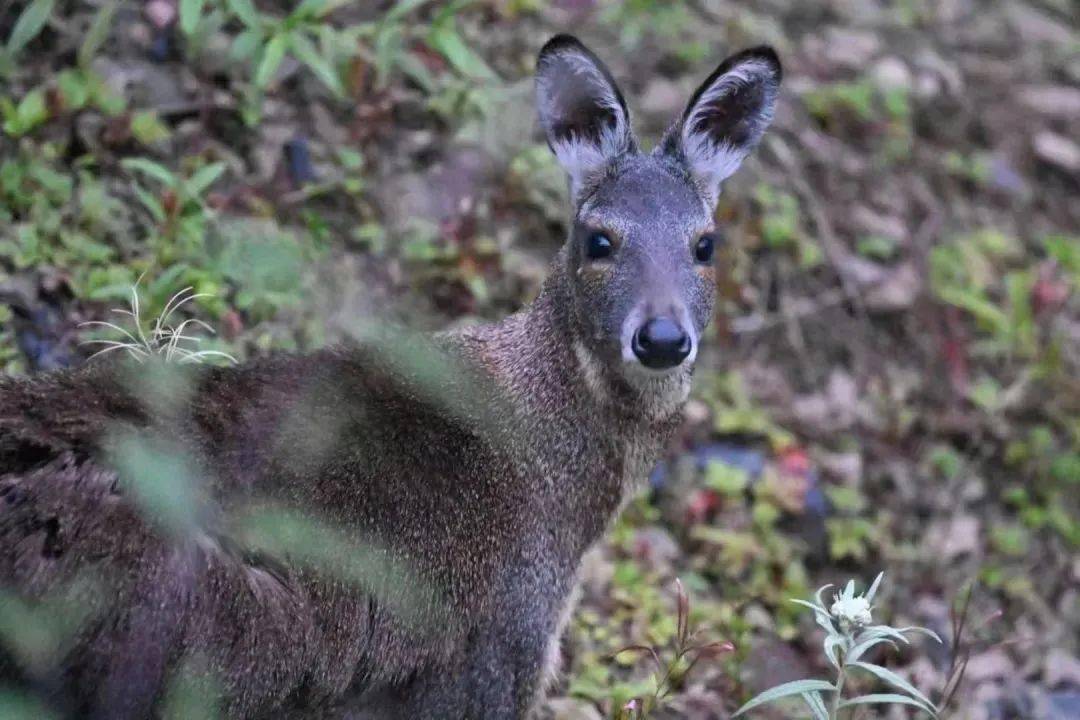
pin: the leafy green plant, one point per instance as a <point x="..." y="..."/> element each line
<point x="52" y="215"/>
<point x="849" y="636"/>
<point x="390" y="45"/>
<point x="672" y="23"/>
<point x="1051" y="469"/>
<point x="840" y="105"/>
<point x="72" y="90"/>
<point x="302" y="33"/>
<point x="850" y="534"/>
<point x="178" y="205"/>
<point x="964" y="273"/>
<point x="781" y="227"/>
<point x="673" y="663"/>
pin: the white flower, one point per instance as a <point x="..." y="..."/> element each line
<point x="852" y="609"/>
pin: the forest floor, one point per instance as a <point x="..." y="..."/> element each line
<point x="893" y="376"/>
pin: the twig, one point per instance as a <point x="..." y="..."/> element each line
<point x="835" y="253"/>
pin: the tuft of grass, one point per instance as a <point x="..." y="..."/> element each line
<point x="162" y="340"/>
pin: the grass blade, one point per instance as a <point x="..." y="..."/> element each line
<point x="273" y="54"/>
<point x="151" y="168"/>
<point x="29" y="24"/>
<point x="245" y="10"/>
<point x="98" y="32"/>
<point x="307" y="53"/>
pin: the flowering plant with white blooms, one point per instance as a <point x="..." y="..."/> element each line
<point x="849" y="635"/>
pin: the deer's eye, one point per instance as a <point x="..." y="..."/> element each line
<point x="705" y="248"/>
<point x="598" y="246"/>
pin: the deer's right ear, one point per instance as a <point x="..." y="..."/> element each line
<point x="581" y="109"/>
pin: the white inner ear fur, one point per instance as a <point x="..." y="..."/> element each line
<point x="581" y="156"/>
<point x="713" y="161"/>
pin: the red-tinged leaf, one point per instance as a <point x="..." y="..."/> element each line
<point x="1050" y="291"/>
<point x="794" y="460"/>
<point x="714" y="649"/>
<point x="684" y="611"/>
<point x="703" y="503"/>
<point x="955" y="352"/>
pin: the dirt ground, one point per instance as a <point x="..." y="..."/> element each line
<point x="893" y="378"/>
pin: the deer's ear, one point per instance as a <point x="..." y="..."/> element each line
<point x="726" y="117"/>
<point x="581" y="109"/>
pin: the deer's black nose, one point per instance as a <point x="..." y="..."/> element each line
<point x="661" y="344"/>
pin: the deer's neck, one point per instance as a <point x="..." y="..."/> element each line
<point x="592" y="442"/>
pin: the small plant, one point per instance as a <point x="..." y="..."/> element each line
<point x="179" y="208"/>
<point x="162" y="340"/>
<point x="267" y="39"/>
<point x="849" y="637"/>
<point x="672" y="664"/>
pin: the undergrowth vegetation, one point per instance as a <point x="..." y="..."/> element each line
<point x="892" y="379"/>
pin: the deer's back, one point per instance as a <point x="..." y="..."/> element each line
<point x="339" y="507"/>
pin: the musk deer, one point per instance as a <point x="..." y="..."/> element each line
<point x="458" y="478"/>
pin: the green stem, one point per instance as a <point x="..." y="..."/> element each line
<point x="834" y="713"/>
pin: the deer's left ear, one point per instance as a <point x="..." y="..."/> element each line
<point x="726" y="117"/>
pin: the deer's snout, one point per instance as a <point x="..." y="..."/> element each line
<point x="661" y="343"/>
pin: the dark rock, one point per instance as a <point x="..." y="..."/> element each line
<point x="298" y="156"/>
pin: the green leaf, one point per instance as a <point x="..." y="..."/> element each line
<point x="881" y="631"/>
<point x="886" y="698"/>
<point x="389" y="46"/>
<point x="190" y="13"/>
<point x="245" y="10"/>
<point x="307" y="53"/>
<point x="29" y="24"/>
<point x="821" y="616"/>
<point x="204" y="178"/>
<point x="98" y="32"/>
<point x="895" y="680"/>
<point x="401" y="9"/>
<point x="151" y="168"/>
<point x="921" y="631"/>
<point x="789" y="689"/>
<point x="445" y="38"/>
<point x="416" y="71"/>
<point x="147" y="128"/>
<point x="246" y="45"/>
<point x="311" y="8"/>
<point x="817" y="705"/>
<point x="831" y="645"/>
<point x="273" y="54"/>
<point x="860" y="648"/>
<point x="31" y="111"/>
<point x="151" y="203"/>
<point x="985" y="311"/>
